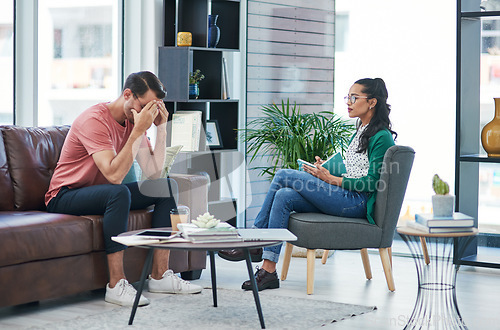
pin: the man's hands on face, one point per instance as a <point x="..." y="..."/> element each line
<point x="162" y="116"/>
<point x="144" y="119"/>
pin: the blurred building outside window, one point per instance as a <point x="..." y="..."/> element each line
<point x="78" y="57"/>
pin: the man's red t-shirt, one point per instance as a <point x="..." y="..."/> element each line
<point x="92" y="131"/>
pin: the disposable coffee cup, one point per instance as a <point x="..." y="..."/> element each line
<point x="179" y="215"/>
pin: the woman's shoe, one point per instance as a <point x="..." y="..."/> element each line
<point x="238" y="255"/>
<point x="264" y="279"/>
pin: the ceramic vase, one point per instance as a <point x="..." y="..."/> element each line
<point x="443" y="205"/>
<point x="194" y="91"/>
<point x="490" y="135"/>
<point x="213" y="31"/>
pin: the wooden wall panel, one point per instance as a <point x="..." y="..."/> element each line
<point x="290" y="55"/>
<point x="289" y="61"/>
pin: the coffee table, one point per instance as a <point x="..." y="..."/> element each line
<point x="434" y="254"/>
<point x="211" y="248"/>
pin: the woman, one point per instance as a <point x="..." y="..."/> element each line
<point x="316" y="190"/>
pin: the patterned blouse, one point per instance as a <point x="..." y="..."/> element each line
<point x="356" y="163"/>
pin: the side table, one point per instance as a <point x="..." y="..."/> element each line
<point x="436" y="305"/>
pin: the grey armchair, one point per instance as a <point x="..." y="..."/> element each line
<point x="321" y="231"/>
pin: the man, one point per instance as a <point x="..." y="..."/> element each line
<point x="96" y="156"/>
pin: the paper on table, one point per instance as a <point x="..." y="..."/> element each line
<point x="135" y="240"/>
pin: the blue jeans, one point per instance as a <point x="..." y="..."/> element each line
<point x="298" y="191"/>
<point x="114" y="201"/>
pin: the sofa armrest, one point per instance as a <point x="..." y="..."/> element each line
<point x="193" y="192"/>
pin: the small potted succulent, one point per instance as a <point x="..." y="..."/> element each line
<point x="194" y="79"/>
<point x="443" y="204"/>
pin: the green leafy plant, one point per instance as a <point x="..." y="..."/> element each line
<point x="195" y="77"/>
<point x="440" y="187"/>
<point x="287" y="134"/>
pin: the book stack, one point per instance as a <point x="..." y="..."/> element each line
<point x="457" y="223"/>
<point x="223" y="232"/>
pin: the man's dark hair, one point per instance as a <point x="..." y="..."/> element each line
<point x="140" y="82"/>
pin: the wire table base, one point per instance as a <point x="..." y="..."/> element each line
<point x="434" y="254"/>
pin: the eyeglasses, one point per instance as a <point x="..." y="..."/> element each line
<point x="353" y="98"/>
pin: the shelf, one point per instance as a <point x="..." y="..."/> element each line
<point x="479" y="14"/>
<point x="175" y="64"/>
<point x="233" y="50"/>
<point x="206" y="100"/>
<point x="224" y="209"/>
<point x="203" y="152"/>
<point x="468" y="74"/>
<point x="477" y="158"/>
<point x="481" y="261"/>
<point x="192" y="16"/>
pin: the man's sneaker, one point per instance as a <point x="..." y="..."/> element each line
<point x="123" y="294"/>
<point x="171" y="283"/>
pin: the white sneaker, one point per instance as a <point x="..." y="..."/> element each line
<point x="171" y="283"/>
<point x="123" y="294"/>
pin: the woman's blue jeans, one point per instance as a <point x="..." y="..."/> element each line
<point x="114" y="201"/>
<point x="299" y="191"/>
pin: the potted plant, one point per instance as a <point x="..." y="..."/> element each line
<point x="194" y="79"/>
<point x="287" y="134"/>
<point x="443" y="204"/>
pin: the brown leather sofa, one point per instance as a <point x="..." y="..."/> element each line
<point x="46" y="255"/>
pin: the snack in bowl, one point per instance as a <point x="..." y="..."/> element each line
<point x="206" y="221"/>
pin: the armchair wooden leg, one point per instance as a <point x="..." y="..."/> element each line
<point x="386" y="264"/>
<point x="286" y="260"/>
<point x="366" y="263"/>
<point x="424" y="250"/>
<point x="389" y="250"/>
<point x="311" y="257"/>
<point x="325" y="257"/>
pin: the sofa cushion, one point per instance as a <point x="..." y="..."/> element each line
<point x="138" y="219"/>
<point x="6" y="191"/>
<point x="32" y="155"/>
<point x="34" y="235"/>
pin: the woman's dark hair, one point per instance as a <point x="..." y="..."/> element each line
<point x="140" y="82"/>
<point x="375" y="88"/>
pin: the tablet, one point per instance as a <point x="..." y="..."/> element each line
<point x="158" y="234"/>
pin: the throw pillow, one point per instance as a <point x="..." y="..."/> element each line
<point x="170" y="154"/>
<point x="132" y="173"/>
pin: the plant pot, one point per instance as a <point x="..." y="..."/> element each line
<point x="194" y="91"/>
<point x="443" y="205"/>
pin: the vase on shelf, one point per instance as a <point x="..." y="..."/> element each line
<point x="490" y="135"/>
<point x="213" y="31"/>
<point x="194" y="91"/>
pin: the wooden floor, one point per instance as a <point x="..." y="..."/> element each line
<point x="341" y="280"/>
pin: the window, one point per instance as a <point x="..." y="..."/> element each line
<point x="78" y="62"/>
<point x="341" y="31"/>
<point x="7" y="62"/>
<point x="418" y="64"/>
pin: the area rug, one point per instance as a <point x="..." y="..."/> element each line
<point x="236" y="310"/>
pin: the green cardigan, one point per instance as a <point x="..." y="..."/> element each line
<point x="377" y="146"/>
